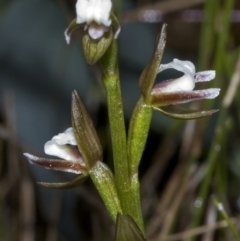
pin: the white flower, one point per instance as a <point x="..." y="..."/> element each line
<point x="169" y="93"/>
<point x="94" y="16"/>
<point x="166" y="95"/>
<point x="94" y="11"/>
<point x="180" y="90"/>
<point x="64" y="146"/>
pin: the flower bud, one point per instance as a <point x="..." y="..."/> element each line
<point x="94" y="49"/>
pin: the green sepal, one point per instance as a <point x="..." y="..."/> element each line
<point x="63" y="185"/>
<point x="72" y="27"/>
<point x="127" y="229"/>
<point x="94" y="49"/>
<point x="116" y="25"/>
<point x="149" y="74"/>
<point x="85" y="133"/>
<point x="182" y="113"/>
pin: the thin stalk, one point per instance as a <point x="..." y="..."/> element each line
<point x="227" y="218"/>
<point x="117" y="125"/>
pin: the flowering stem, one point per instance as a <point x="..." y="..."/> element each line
<point x="103" y="179"/>
<point x="117" y="126"/>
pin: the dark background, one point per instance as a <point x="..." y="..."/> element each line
<point x="38" y="72"/>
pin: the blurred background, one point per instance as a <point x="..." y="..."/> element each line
<point x="185" y="163"/>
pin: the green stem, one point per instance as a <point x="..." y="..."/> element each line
<point x="227" y="218"/>
<point x="103" y="179"/>
<point x="117" y="125"/>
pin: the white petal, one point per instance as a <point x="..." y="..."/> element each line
<point x="186" y="67"/>
<point x="67" y="137"/>
<point x="210" y="93"/>
<point x="94" y="10"/>
<point x="65" y="152"/>
<point x="204" y="76"/>
<point x="184" y="83"/>
<point x="64" y="146"/>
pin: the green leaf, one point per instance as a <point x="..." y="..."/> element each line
<point x="127" y="229"/>
<point x="85" y="133"/>
<point x="182" y="113"/>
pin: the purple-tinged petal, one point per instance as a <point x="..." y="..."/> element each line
<point x="204" y="76"/>
<point x="96" y="31"/>
<point x="59" y="165"/>
<point x="159" y="99"/>
<point x="182" y="113"/>
<point x="62" y="185"/>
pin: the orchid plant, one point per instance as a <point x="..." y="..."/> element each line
<point x="79" y="149"/>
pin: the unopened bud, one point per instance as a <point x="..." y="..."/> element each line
<point x="94" y="49"/>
